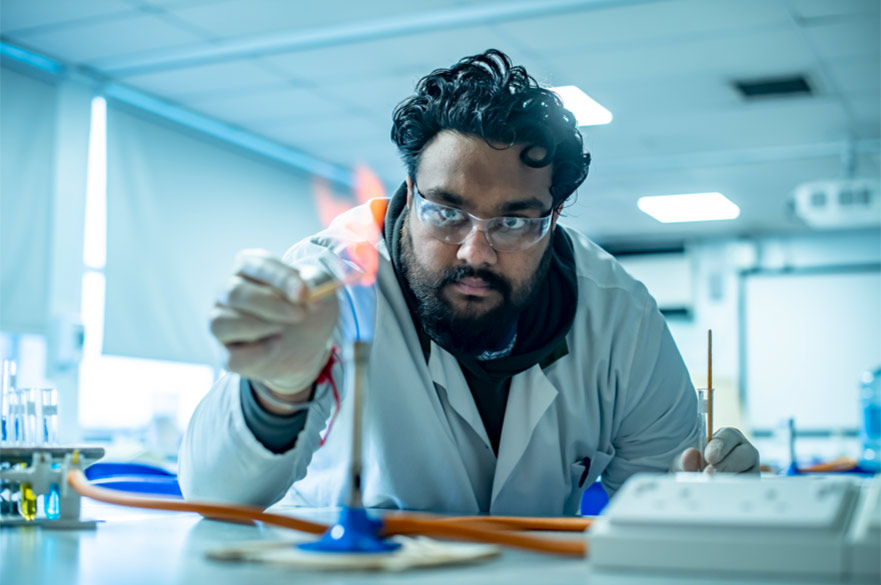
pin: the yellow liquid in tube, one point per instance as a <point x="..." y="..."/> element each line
<point x="27" y="505"/>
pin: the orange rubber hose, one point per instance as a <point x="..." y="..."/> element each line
<point x="565" y="524"/>
<point x="474" y="528"/>
<point x="840" y="464"/>
<point x="236" y="513"/>
<point x="415" y="525"/>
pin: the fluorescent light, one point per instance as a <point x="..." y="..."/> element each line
<point x="691" y="207"/>
<point x="30" y="58"/>
<point x="586" y="110"/>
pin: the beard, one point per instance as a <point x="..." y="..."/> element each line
<point x="473" y="328"/>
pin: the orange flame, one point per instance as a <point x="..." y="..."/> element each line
<point x="367" y="184"/>
<point x="364" y="230"/>
<point x="326" y="204"/>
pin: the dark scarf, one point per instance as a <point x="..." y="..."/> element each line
<point x="541" y="328"/>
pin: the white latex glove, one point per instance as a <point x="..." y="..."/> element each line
<point x="727" y="452"/>
<point x="269" y="331"/>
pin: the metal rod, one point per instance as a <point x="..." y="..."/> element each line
<point x="360" y="357"/>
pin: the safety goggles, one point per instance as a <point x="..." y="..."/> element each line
<point x="454" y="226"/>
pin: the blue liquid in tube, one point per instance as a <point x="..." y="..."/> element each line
<point x="52" y="502"/>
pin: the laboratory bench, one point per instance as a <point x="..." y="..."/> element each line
<point x="133" y="546"/>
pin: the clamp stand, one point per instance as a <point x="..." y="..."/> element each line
<point x="355" y="531"/>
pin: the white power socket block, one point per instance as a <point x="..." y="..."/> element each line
<point x="824" y="527"/>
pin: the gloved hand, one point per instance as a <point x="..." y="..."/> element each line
<point x="727" y="452"/>
<point x="270" y="332"/>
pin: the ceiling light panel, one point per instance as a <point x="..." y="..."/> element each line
<point x="689" y="207"/>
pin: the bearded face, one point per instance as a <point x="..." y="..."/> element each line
<point x="468" y="323"/>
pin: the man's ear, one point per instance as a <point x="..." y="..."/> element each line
<point x="409" y="181"/>
<point x="557" y="211"/>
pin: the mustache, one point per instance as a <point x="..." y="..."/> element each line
<point x="492" y="279"/>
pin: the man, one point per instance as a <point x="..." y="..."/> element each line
<point x="513" y="361"/>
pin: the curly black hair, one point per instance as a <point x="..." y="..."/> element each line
<point x="485" y="95"/>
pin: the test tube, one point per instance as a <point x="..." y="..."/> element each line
<point x="4" y="404"/>
<point x="52" y="502"/>
<point x="6" y="387"/>
<point x="32" y="403"/>
<point x="49" y="412"/>
<point x="27" y="503"/>
<point x="702" y="409"/>
<point x="15" y="422"/>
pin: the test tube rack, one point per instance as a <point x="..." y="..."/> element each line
<point x="35" y="473"/>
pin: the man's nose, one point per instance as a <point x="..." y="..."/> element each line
<point x="475" y="250"/>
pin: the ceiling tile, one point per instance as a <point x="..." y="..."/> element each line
<point x="637" y="98"/>
<point x="269" y="107"/>
<point x="414" y="55"/>
<point x="825" y="8"/>
<point x="208" y="80"/>
<point x="175" y="4"/>
<point x="758" y="125"/>
<point x="856" y="75"/>
<point x="747" y="54"/>
<point x="91" y="41"/>
<point x="238" y="18"/>
<point x="642" y="25"/>
<point x="16" y="15"/>
<point x="851" y="37"/>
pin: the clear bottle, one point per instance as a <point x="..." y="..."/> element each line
<point x="870" y="430"/>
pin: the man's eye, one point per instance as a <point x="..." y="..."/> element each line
<point x="513" y="223"/>
<point x="447" y="214"/>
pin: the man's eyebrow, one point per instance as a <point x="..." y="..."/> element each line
<point x="445" y="196"/>
<point x="524" y="205"/>
<point x="509" y="207"/>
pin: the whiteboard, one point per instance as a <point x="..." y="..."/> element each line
<point x="808" y="337"/>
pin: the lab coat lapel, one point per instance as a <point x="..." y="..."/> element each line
<point x="445" y="371"/>
<point x="530" y="396"/>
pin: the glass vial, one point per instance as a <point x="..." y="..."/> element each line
<point x="27" y="503"/>
<point x="49" y="415"/>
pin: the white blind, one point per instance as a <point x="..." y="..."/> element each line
<point x="27" y="145"/>
<point x="179" y="207"/>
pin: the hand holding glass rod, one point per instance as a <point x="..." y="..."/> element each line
<point x="325" y="279"/>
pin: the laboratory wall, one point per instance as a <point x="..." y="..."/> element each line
<point x="28" y="122"/>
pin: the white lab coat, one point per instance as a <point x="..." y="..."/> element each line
<point x="621" y="397"/>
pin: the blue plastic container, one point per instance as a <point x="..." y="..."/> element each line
<point x="870" y="429"/>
